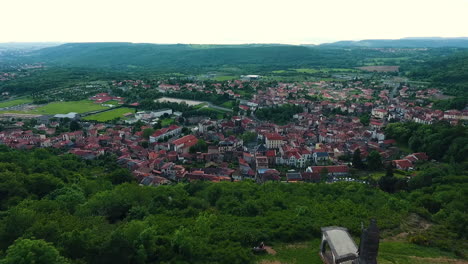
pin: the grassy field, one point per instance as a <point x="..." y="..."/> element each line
<point x="110" y="115"/>
<point x="83" y="106"/>
<point x="389" y="253"/>
<point x="15" y="102"/>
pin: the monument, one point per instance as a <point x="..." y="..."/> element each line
<point x="339" y="247"/>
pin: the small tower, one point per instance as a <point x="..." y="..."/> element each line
<point x="369" y="245"/>
<point x="338" y="246"/>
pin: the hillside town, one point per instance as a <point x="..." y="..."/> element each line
<point x="335" y="119"/>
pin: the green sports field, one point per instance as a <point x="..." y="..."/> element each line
<point x="83" y="106"/>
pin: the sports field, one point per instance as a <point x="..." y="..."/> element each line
<point x="110" y="115"/>
<point x="83" y="106"/>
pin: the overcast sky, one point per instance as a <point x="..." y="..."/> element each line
<point x="229" y="21"/>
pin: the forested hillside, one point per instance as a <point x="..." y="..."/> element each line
<point x="183" y="57"/>
<point x="450" y="73"/>
<point x="92" y="212"/>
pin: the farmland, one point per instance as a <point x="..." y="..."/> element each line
<point x="109" y="115"/>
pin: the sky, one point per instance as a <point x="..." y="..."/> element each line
<point x="229" y="21"/>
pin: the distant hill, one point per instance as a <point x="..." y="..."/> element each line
<point x="186" y="57"/>
<point x="25" y="46"/>
<point x="183" y="56"/>
<point x="249" y="57"/>
<point x="403" y="43"/>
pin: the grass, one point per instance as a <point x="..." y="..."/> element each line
<point x="167" y="121"/>
<point x="83" y="106"/>
<point x="228" y="104"/>
<point x="15" y="102"/>
<point x="198" y="106"/>
<point x="389" y="253"/>
<point x="110" y="115"/>
<point x="112" y="102"/>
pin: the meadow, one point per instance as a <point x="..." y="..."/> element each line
<point x="110" y="115"/>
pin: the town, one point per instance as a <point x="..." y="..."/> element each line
<point x="248" y="128"/>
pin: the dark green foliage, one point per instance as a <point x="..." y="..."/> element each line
<point x="450" y="73"/>
<point x="92" y="214"/>
<point x="365" y="119"/>
<point x="249" y="137"/>
<point x="74" y="125"/>
<point x="148" y="132"/>
<point x="374" y="160"/>
<point x="26" y="251"/>
<point x="357" y="160"/>
<point x="201" y="146"/>
<point x="278" y="114"/>
<point x="458" y="103"/>
<point x="440" y="141"/>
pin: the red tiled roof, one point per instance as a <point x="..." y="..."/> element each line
<point x="273" y="136"/>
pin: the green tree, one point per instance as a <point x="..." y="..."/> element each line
<point x="28" y="251"/>
<point x="324" y="175"/>
<point x="74" y="125"/>
<point x="148" y="132"/>
<point x="201" y="146"/>
<point x="365" y="119"/>
<point x="357" y="160"/>
<point x="374" y="160"/>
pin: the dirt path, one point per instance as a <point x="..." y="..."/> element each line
<point x="270" y="250"/>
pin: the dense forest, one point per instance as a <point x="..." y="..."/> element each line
<point x="67" y="210"/>
<point x="447" y="72"/>
<point x="440" y="141"/>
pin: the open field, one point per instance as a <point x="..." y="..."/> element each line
<point x="15" y="102"/>
<point x="110" y="115"/>
<point x="389" y="253"/>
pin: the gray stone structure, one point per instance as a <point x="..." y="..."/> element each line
<point x="338" y="247"/>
